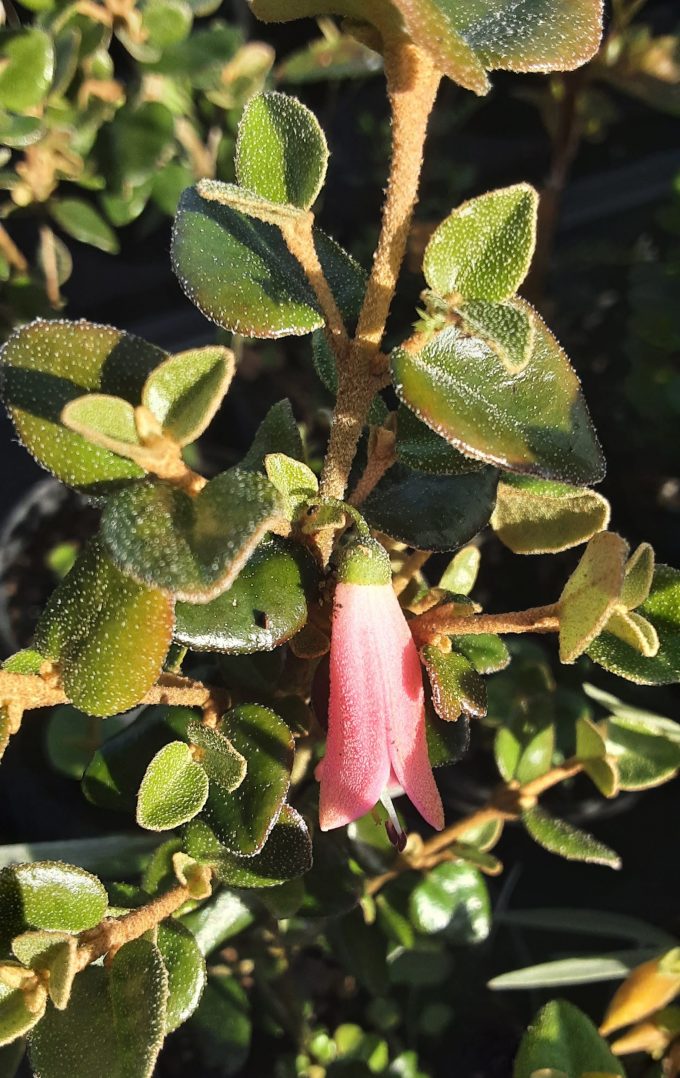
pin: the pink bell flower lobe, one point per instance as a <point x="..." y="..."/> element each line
<point x="376" y="714"/>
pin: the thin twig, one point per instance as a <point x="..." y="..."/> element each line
<point x="445" y="620"/>
<point x="299" y="236"/>
<point x="114" y="932"/>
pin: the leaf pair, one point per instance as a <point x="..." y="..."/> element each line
<point x="602" y="594"/>
<point x="494" y="382"/>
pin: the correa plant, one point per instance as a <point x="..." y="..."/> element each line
<point x="302" y="606"/>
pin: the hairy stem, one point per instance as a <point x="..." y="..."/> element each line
<point x="113" y="933"/>
<point x="445" y="620"/>
<point x="299" y="237"/>
<point x="412" y="84"/>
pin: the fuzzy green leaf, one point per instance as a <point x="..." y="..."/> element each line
<point x="53" y="953"/>
<point x="173" y="790"/>
<point x="591" y="593"/>
<point x="265" y="606"/>
<point x="295" y="482"/>
<point x="285" y="855"/>
<point x="191" y="547"/>
<point x="185" y="391"/>
<point x="486" y="651"/>
<point x="48" y="364"/>
<point x="186" y="971"/>
<point x="447" y="742"/>
<point x="240" y="274"/>
<point x="456" y="686"/>
<point x="51" y="895"/>
<point x="222" y="1025"/>
<point x="482" y="251"/>
<point x="461" y="573"/>
<point x="223" y="764"/>
<point x="105" y="421"/>
<point x="452" y="899"/>
<point x="243" y="819"/>
<point x="563" y="1039"/>
<point x="507" y="328"/>
<point x="535" y="422"/>
<point x="16" y="1017"/>
<point x="423" y="450"/>
<point x="431" y="512"/>
<point x="138" y="987"/>
<point x="281" y="151"/>
<point x="109" y="634"/>
<point x="646" y="750"/>
<point x="567" y="841"/>
<point x="534" y="516"/>
<point x="277" y="433"/>
<point x="639" y="577"/>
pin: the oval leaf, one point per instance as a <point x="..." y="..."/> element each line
<point x="186" y="971"/>
<point x="453" y="899"/>
<point x="185" y="391"/>
<point x="535" y="422"/>
<point x="55" y="896"/>
<point x="562" y="1038"/>
<point x="138" y="987"/>
<point x="456" y="686"/>
<point x="533" y="516"/>
<point x="591" y="593"/>
<point x="567" y="841"/>
<point x="286" y="854"/>
<point x="281" y="151"/>
<point x="173" y="790"/>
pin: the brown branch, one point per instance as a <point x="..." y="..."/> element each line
<point x="112" y="933"/>
<point x="411" y="566"/>
<point x="507" y="803"/>
<point x="445" y="620"/>
<point x="11" y="251"/>
<point x="381" y="457"/>
<point x="412" y="84"/>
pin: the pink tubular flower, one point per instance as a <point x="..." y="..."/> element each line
<point x="376" y="713"/>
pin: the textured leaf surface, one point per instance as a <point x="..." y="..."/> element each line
<point x="662" y="610"/>
<point x="265" y="606"/>
<point x="186" y="971"/>
<point x="431" y="512"/>
<point x="138" y="987"/>
<point x="285" y="855"/>
<point x="483" y="249"/>
<point x="48" y="364"/>
<point x="185" y="391"/>
<point x="281" y="151"/>
<point x="534" y="516"/>
<point x="53" y="953"/>
<point x="240" y="274"/>
<point x="422" y="449"/>
<point x="82" y="1039"/>
<point x="567" y="841"/>
<point x="535" y="422"/>
<point x="191" y="547"/>
<point x="106" y="421"/>
<point x="456" y="685"/>
<point x="52" y="895"/>
<point x="277" y="433"/>
<point x="646" y="751"/>
<point x="223" y="764"/>
<point x="591" y="593"/>
<point x="109" y="634"/>
<point x="16" y="1018"/>
<point x="452" y="899"/>
<point x="243" y="819"/>
<point x="508" y="329"/>
<point x="564" y="1039"/>
<point x="174" y="789"/>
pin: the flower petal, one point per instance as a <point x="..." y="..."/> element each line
<point x="356" y="766"/>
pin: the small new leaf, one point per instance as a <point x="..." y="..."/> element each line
<point x="173" y="791"/>
<point x="591" y="594"/>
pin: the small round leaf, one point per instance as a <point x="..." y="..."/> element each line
<point x="174" y="789"/>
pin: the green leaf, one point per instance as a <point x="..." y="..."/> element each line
<point x="456" y="686"/>
<point x="639" y="577"/>
<point x="223" y="764"/>
<point x="281" y="151"/>
<point x="223" y="916"/>
<point x="16" y="1016"/>
<point x="534" y="422"/>
<point x="109" y="634"/>
<point x="591" y="750"/>
<point x="634" y="630"/>
<point x="361" y="951"/>
<point x="461" y="573"/>
<point x="420" y="448"/>
<point x="597" y="923"/>
<point x="27" y="661"/>
<point x="139" y="998"/>
<point x="173" y="790"/>
<point x="447" y="742"/>
<point x="534" y="516"/>
<point x="82" y="1039"/>
<point x="243" y="819"/>
<point x="265" y="606"/>
<point x="295" y="482"/>
<point x="80" y="220"/>
<point x="562" y="1038"/>
<point x="48" y="364"/>
<point x="186" y="971"/>
<point x="570" y="971"/>
<point x="486" y="651"/>
<point x="285" y="855"/>
<point x="662" y="610"/>
<point x="525" y="742"/>
<point x="72" y="737"/>
<point x="106" y="421"/>
<point x="567" y="841"/>
<point x="431" y="512"/>
<point x="591" y="594"/>
<point x="192" y="547"/>
<point x="137" y="141"/>
<point x="53" y="953"/>
<point x="506" y="327"/>
<point x="453" y="899"/>
<point x="643" y="753"/>
<point x="185" y="391"/>
<point x="277" y="433"/>
<point x="222" y="1025"/>
<point x="166" y="22"/>
<point x="240" y="274"/>
<point x="539" y="36"/>
<point x="483" y="250"/>
<point x="51" y="895"/>
<point x="26" y="68"/>
<point x="114" y="775"/>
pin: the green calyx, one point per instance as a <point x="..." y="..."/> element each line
<point x="364" y="561"/>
